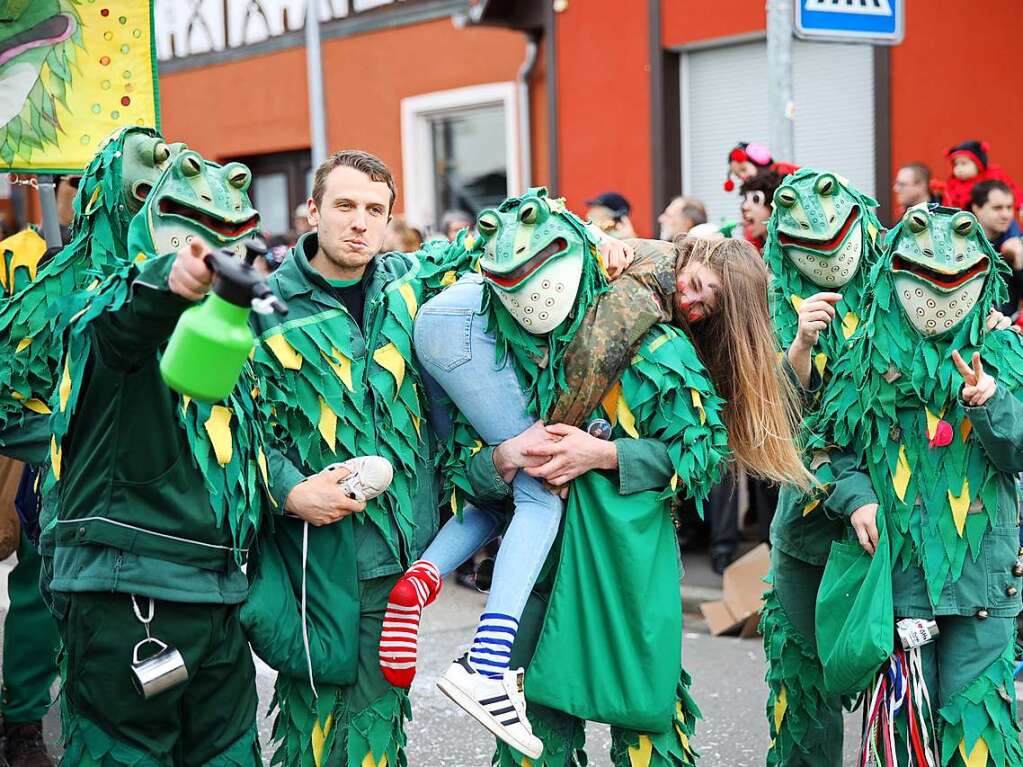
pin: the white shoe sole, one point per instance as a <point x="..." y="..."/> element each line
<point x="477" y="712"/>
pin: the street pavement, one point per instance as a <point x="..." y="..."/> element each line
<point x="728" y="686"/>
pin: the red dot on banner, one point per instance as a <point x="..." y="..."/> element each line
<point x="105" y="12"/>
<point x="125" y="101"/>
<point x="104" y="60"/>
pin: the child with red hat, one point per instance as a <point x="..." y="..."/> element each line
<point x="970" y="166"/>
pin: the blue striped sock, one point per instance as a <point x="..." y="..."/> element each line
<point x="491" y="649"/>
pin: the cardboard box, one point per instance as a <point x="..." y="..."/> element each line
<point x="743" y="595"/>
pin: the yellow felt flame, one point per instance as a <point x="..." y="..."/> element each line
<point x="140" y="257"/>
<point x="284" y="352"/>
<point x="341" y="365"/>
<point x="932" y="423"/>
<point x="978" y="756"/>
<point x="960" y="505"/>
<point x="410" y="299"/>
<point x="449" y="278"/>
<point x="902" y="474"/>
<point x="416" y="423"/>
<point x="185" y="400"/>
<point x="23" y="344"/>
<point x="390" y="359"/>
<point x="674" y="482"/>
<point x="626" y="418"/>
<point x="965" y="428"/>
<point x="36" y="405"/>
<point x="850" y="322"/>
<point x="698" y="404"/>
<point x="610" y="402"/>
<point x="810" y="506"/>
<point x="872" y="231"/>
<point x="821" y="361"/>
<point x="526" y="762"/>
<point x="328" y="425"/>
<point x="319" y="736"/>
<point x="781" y="705"/>
<point x="369" y="761"/>
<point x="264" y="472"/>
<point x="796" y="301"/>
<point x="639" y="755"/>
<point x="218" y="427"/>
<point x="64" y="392"/>
<point x="17" y="395"/>
<point x="658" y="342"/>
<point x="55" y="458"/>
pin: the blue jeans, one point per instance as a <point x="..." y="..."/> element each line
<point x="458" y="356"/>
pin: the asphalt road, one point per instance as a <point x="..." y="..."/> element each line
<point x="728" y="686"/>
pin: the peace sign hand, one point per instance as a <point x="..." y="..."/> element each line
<point x="978" y="386"/>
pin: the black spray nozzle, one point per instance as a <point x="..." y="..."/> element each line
<point x="238" y="282"/>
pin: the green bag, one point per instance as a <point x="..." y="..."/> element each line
<point x="855" y="618"/>
<point x="272" y="613"/>
<point x="610" y="647"/>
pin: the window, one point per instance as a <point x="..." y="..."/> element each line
<point x="458" y="151"/>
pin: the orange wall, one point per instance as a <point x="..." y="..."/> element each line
<point x="687" y="21"/>
<point x="365" y="78"/>
<point x="956" y="77"/>
<point x="604" y="104"/>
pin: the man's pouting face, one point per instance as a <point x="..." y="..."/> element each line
<point x="351" y="219"/>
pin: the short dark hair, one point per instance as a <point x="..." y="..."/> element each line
<point x="920" y="171"/>
<point x="982" y="190"/>
<point x="766" y="181"/>
<point x="365" y="162"/>
<point x="695" y="214"/>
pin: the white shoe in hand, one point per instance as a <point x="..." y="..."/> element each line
<point x="368" y="477"/>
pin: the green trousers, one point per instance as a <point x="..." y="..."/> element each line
<point x="563" y="735"/>
<point x="210" y="720"/>
<point x="31" y="642"/>
<point x="805" y="723"/>
<point x="358" y="725"/>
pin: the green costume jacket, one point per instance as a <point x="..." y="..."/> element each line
<point x="157" y="495"/>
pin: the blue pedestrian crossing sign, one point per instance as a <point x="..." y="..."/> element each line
<point x="858" y="21"/>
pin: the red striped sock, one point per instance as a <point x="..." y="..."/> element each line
<point x="399" y="639"/>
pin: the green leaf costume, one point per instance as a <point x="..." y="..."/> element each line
<point x="660" y="392"/>
<point x="823" y="235"/>
<point x="943" y="473"/>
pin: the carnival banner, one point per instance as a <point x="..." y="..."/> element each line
<point x="72" y="72"/>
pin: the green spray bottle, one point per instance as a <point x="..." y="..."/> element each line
<point x="209" y="346"/>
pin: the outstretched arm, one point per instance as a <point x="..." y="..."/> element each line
<point x="996" y="415"/>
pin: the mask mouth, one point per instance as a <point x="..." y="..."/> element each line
<point x="51" y="31"/>
<point x="944" y="281"/>
<point x="512" y="279"/>
<point x="823" y="246"/>
<point x="221" y="227"/>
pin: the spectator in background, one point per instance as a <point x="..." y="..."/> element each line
<point x="757" y="203"/>
<point x="67" y="188"/>
<point x="992" y="203"/>
<point x="681" y="215"/>
<point x="401" y="237"/>
<point x="609" y="211"/>
<point x="300" y="222"/>
<point x="454" y="221"/>
<point x="912" y="186"/>
<point x="970" y="166"/>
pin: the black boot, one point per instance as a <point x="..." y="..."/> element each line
<point x="25" y="747"/>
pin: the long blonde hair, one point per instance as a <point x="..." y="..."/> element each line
<point x="737" y="344"/>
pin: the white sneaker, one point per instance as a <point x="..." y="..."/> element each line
<point x="497" y="704"/>
<point x="369" y="476"/>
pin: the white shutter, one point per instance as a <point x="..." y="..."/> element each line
<point x="724" y="101"/>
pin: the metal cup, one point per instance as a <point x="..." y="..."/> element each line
<point x="159" y="672"/>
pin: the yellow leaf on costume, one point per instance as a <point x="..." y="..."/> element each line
<point x="261" y="462"/>
<point x="64" y="391"/>
<point x="390" y="359"/>
<point x="369" y="761"/>
<point x="449" y="278"/>
<point x="415" y="422"/>
<point x="850" y="322"/>
<point x="284" y="352"/>
<point x="17" y="395"/>
<point x="811" y="506"/>
<point x="93" y="200"/>
<point x="140" y="257"/>
<point x="674" y="482"/>
<point x="902" y="474"/>
<point x="978" y="756"/>
<point x="328" y="425"/>
<point x="319" y="736"/>
<point x="93" y="285"/>
<point x="965" y="428"/>
<point x="639" y="755"/>
<point x="796" y="301"/>
<point x="38" y="406"/>
<point x="821" y="361"/>
<point x="932" y="423"/>
<point x="341" y="365"/>
<point x="526" y="762"/>
<point x="454" y="502"/>
<point x="626" y="418"/>
<point x="960" y="505"/>
<point x="55" y="458"/>
<point x="185" y="400"/>
<point x="658" y="342"/>
<point x="872" y="231"/>
<point x="410" y="299"/>
<point x="781" y="705"/>
<point x="698" y="404"/>
<point x="218" y="427"/>
<point x="24" y="343"/>
<point x="610" y="402"/>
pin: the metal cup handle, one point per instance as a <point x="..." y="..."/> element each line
<point x="148" y="640"/>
